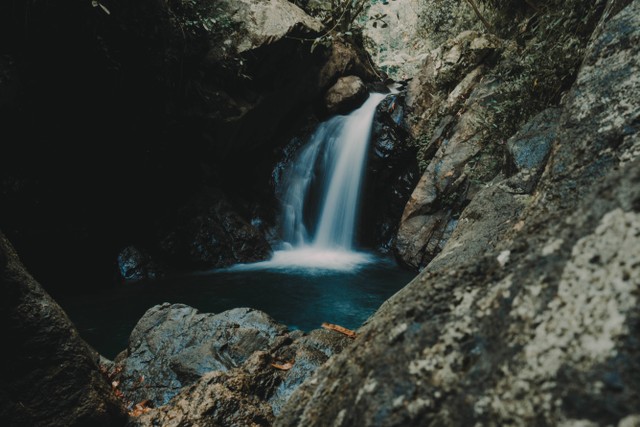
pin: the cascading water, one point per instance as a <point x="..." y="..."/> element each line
<point x="335" y="156"/>
<point x="329" y="167"/>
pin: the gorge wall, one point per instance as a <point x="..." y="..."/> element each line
<point x="529" y="314"/>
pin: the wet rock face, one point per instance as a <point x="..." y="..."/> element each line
<point x="391" y="175"/>
<point x="209" y="233"/>
<point x="218" y="370"/>
<point x="447" y="104"/>
<point x="347" y="94"/>
<point x="48" y="376"/>
<point x="535" y="323"/>
<point x="136" y="264"/>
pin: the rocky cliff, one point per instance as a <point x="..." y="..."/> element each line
<point x="529" y="314"/>
<point x="470" y="96"/>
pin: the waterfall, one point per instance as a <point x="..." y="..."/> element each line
<point x="334" y="161"/>
<point x="320" y="191"/>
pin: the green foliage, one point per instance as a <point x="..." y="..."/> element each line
<point x="341" y="18"/>
<point x="197" y="18"/>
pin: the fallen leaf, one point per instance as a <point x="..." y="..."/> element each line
<point x="341" y="329"/>
<point x="284" y="366"/>
<point x="140" y="408"/>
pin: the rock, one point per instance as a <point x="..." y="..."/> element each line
<point x="345" y="59"/>
<point x="48" y="375"/>
<point x="445" y="187"/>
<point x="209" y="233"/>
<point x="346" y="95"/>
<point x="449" y="108"/>
<point x="529" y="148"/>
<point x="538" y="326"/>
<point x="465" y="105"/>
<point x="208" y="369"/>
<point x="135" y="265"/>
<point x="448" y="75"/>
<point x="218" y="399"/>
<point x="168" y="358"/>
<point x="391" y="174"/>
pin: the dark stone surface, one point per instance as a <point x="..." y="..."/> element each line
<point x="536" y="323"/>
<point x="136" y="264"/>
<point x="217" y="369"/>
<point x="48" y="375"/>
<point x="174" y="345"/>
<point x="209" y="233"/>
<point x="391" y="175"/>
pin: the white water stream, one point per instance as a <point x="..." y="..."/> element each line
<point x="331" y="165"/>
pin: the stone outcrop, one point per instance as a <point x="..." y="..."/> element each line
<point x="238" y="367"/>
<point x="174" y="345"/>
<point x="460" y="135"/>
<point x="48" y="375"/>
<point x="391" y="175"/>
<point x="529" y="314"/>
<point x="347" y="94"/>
<point x="209" y="233"/>
<point x="472" y="94"/>
<point x="137" y="264"/>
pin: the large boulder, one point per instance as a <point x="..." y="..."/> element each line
<point x="234" y="368"/>
<point x="538" y="323"/>
<point x="345" y="95"/>
<point x="49" y="376"/>
<point x="162" y="358"/>
<point x="137" y="264"/>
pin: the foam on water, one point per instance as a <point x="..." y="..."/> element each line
<point x="311" y="259"/>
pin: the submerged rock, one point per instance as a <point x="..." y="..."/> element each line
<point x="49" y="376"/>
<point x="347" y="94"/>
<point x="537" y="323"/>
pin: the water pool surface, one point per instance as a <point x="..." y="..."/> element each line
<point x="301" y="298"/>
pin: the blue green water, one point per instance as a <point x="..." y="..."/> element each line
<point x="300" y="298"/>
